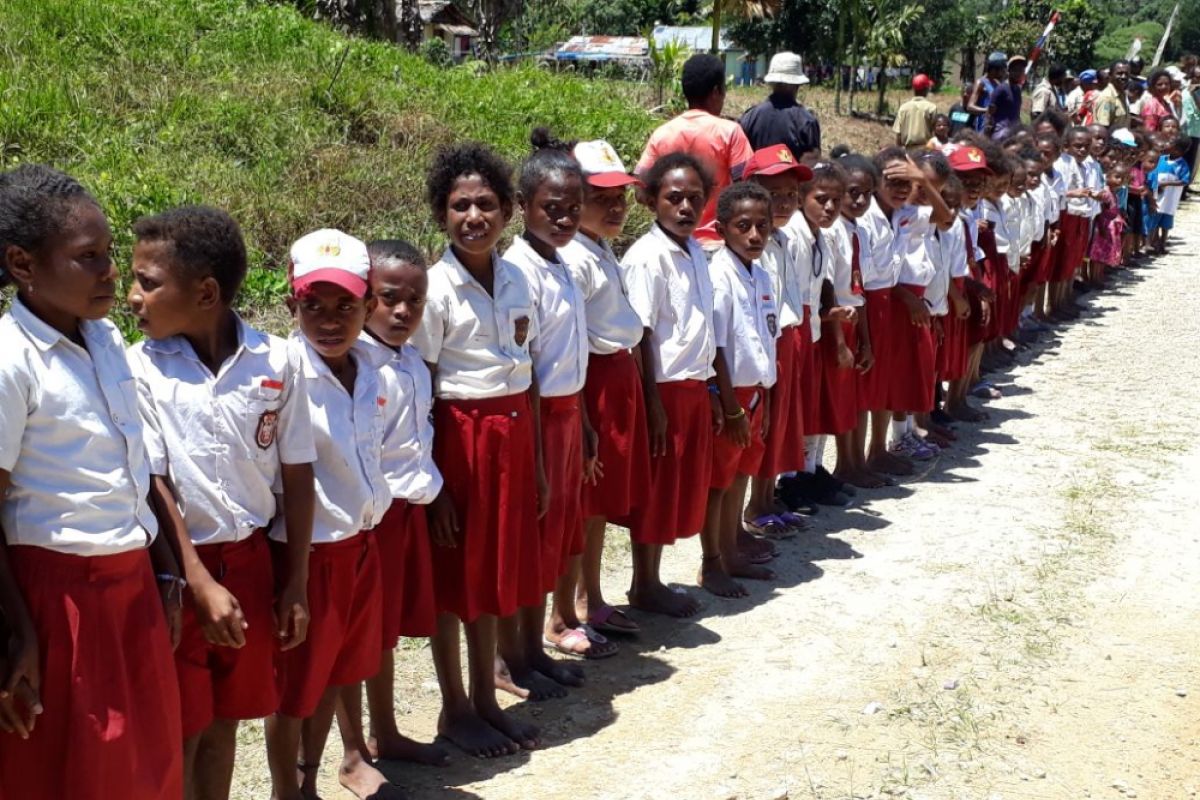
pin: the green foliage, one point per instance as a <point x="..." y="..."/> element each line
<point x="935" y="35"/>
<point x="1115" y="44"/>
<point x="436" y="52"/>
<point x="254" y="108"/>
<point x="1074" y="39"/>
<point x="666" y="65"/>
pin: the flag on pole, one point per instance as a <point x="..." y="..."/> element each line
<point x="1162" y="45"/>
<point x="1041" y="43"/>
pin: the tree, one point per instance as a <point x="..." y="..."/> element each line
<point x="935" y="34"/>
<point x="880" y="26"/>
<point x="1074" y="39"/>
<point x="491" y="16"/>
<point x="738" y="10"/>
<point x="409" y="23"/>
<point x="666" y="64"/>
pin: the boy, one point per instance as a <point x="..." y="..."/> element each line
<point x="746" y="324"/>
<point x="227" y="418"/>
<point x="1168" y="181"/>
<point x="1073" y="226"/>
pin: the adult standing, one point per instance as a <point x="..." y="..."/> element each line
<point x="782" y="118"/>
<point x="1154" y="106"/>
<point x="717" y="143"/>
<point x="1112" y="106"/>
<point x="1004" y="109"/>
<point x="981" y="95"/>
<point x="1191" y="116"/>
<point x="914" y="119"/>
<point x="1077" y="99"/>
<point x="1049" y="95"/>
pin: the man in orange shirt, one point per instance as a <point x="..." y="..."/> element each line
<point x="718" y="144"/>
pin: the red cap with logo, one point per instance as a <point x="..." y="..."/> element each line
<point x="968" y="159"/>
<point x="775" y="160"/>
<point x="922" y="83"/>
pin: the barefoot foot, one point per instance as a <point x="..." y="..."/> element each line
<point x="360" y="778"/>
<point x="506" y="683"/>
<point x="526" y="736"/>
<point x="474" y="736"/>
<point x="393" y="746"/>
<point x="890" y="464"/>
<point x="714" y="579"/>
<point x="561" y="672"/>
<point x="661" y="599"/>
<point x="740" y="568"/>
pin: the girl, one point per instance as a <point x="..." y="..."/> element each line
<point x="479" y="322"/>
<point x="84" y="577"/>
<point x="613" y="394"/>
<point x="1105" y="249"/>
<point x="550" y="199"/>
<point x="669" y="287"/>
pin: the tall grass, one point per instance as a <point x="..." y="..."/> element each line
<point x="249" y="106"/>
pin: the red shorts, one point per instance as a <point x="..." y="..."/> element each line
<point x="914" y="368"/>
<point x="561" y="529"/>
<point x="111" y="723"/>
<point x="729" y="460"/>
<point x="954" y="349"/>
<point x="1044" y="267"/>
<point x="811" y="374"/>
<point x="617" y="411"/>
<point x="872" y="389"/>
<point x="839" y="387"/>
<point x="678" y="490"/>
<point x="784" y="450"/>
<point x="485" y="449"/>
<point x="1073" y="240"/>
<point x="406" y="570"/>
<point x="345" y="628"/>
<point x="225" y="682"/>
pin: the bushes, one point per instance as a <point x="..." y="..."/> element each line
<point x="251" y="107"/>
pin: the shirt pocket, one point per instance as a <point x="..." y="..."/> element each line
<point x="263" y="404"/>
<point x="516" y="326"/>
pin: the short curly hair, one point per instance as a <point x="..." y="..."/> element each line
<point x="653" y="179"/>
<point x="740" y="192"/>
<point x="459" y="160"/>
<point x="395" y="251"/>
<point x="36" y="202"/>
<point x="702" y="73"/>
<point x="204" y="242"/>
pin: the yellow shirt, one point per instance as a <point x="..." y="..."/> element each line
<point x="914" y="122"/>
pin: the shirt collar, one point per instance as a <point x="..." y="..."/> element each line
<point x="600" y="249"/>
<point x="43" y="335"/>
<point x="366" y="357"/>
<point x="672" y="245"/>
<point x="729" y="260"/>
<point x="254" y="341"/>
<point x="460" y="275"/>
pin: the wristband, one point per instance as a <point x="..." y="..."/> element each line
<point x="741" y="412"/>
<point x="178" y="584"/>
<point x="714" y="389"/>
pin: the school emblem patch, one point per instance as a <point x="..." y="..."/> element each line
<point x="856" y="282"/>
<point x="268" y="424"/>
<point x="773" y="324"/>
<point x="520" y="330"/>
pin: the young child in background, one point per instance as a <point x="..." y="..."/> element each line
<point x="1105" y="250"/>
<point x="1147" y="165"/>
<point x="1016" y="218"/>
<point x="1167" y="181"/>
<point x="1054" y="197"/>
<point x="613" y="392"/>
<point x="941" y="132"/>
<point x="227" y="419"/>
<point x="479" y="321"/>
<point x="1073" y="227"/>
<point x="91" y="594"/>
<point x="952" y="347"/>
<point x="669" y="287"/>
<point x="992" y="232"/>
<point x="745" y="324"/>
<point x="550" y="200"/>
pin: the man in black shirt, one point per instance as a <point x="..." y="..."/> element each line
<point x="781" y="118"/>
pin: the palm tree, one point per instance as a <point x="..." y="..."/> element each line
<point x="739" y="9"/>
<point x="879" y="28"/>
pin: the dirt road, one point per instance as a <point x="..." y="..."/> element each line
<point x="1021" y="622"/>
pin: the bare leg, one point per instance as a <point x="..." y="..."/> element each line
<point x="459" y="722"/>
<point x="313" y="734"/>
<point x="879" y="459"/>
<point x="713" y="576"/>
<point x="733" y="560"/>
<point x="386" y="741"/>
<point x="513" y="672"/>
<point x="215" y="752"/>
<point x="283" y="744"/>
<point x="648" y="593"/>
<point x="533" y="627"/>
<point x="357" y="774"/>
<point x="481" y="663"/>
<point x="848" y="467"/>
<point x="589" y="596"/>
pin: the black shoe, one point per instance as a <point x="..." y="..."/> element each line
<point x="942" y="418"/>
<point x="826" y="482"/>
<point x="794" y="491"/>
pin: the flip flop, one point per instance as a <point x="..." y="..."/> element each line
<point x="601" y="620"/>
<point x="771" y="526"/>
<point x="576" y="636"/>
<point x="798" y="523"/>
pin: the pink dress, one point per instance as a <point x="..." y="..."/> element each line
<point x="1110" y="225"/>
<point x="1154" y="111"/>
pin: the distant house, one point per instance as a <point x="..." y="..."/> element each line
<point x="738" y="67"/>
<point x="630" y="50"/>
<point x="441" y="19"/>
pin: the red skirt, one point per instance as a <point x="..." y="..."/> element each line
<point x="1073" y="238"/>
<point x="914" y="367"/>
<point x="811" y="374"/>
<point x="561" y="529"/>
<point x="406" y="564"/>
<point x="485" y="449"/>
<point x="1044" y="268"/>
<point x="345" y="629"/>
<point x="1029" y="272"/>
<point x="227" y="682"/>
<point x="839" y="387"/>
<point x="678" y="488"/>
<point x="617" y="411"/>
<point x="111" y="724"/>
<point x="784" y="450"/>
<point x="1012" y="309"/>
<point x="729" y="460"/>
<point x="873" y="385"/>
<point x="954" y="350"/>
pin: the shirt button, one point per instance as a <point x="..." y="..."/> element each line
<point x="514" y="415"/>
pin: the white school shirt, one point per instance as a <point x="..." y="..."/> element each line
<point x="612" y="324"/>
<point x="883" y="269"/>
<point x="71" y="439"/>
<point x="352" y="493"/>
<point x="1008" y="228"/>
<point x="222" y="438"/>
<point x="955" y="243"/>
<point x="814" y="263"/>
<point x="407" y="460"/>
<point x="779" y="260"/>
<point x="475" y="337"/>
<point x="670" y="289"/>
<point x="1093" y="178"/>
<point x="841" y="237"/>
<point x="1035" y="216"/>
<point x="994" y="215"/>
<point x="745" y="319"/>
<point x="1072" y="174"/>
<point x="971" y="217"/>
<point x="916" y="243"/>
<point x="938" y="291"/>
<point x="560" y="351"/>
<point x="1052" y="195"/>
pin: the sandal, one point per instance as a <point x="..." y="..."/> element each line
<point x="572" y="638"/>
<point x="769" y="525"/>
<point x="797" y="523"/>
<point x="602" y="620"/>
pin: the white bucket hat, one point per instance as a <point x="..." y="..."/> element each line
<point x="786" y="68"/>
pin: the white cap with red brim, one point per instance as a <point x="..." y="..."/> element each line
<point x="330" y="256"/>
<point x="602" y="167"/>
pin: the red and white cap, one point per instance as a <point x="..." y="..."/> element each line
<point x="775" y="160"/>
<point x="601" y="165"/>
<point x="329" y="256"/>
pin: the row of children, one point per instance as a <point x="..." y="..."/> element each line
<point x="439" y="449"/>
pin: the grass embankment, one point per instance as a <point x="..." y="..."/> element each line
<point x="249" y="106"/>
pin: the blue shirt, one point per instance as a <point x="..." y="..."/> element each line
<point x="1006" y="100"/>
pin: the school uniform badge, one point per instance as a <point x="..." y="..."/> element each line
<point x="773" y="324"/>
<point x="520" y="330"/>
<point x="268" y="425"/>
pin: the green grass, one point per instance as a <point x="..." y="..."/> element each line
<point x="249" y="106"/>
